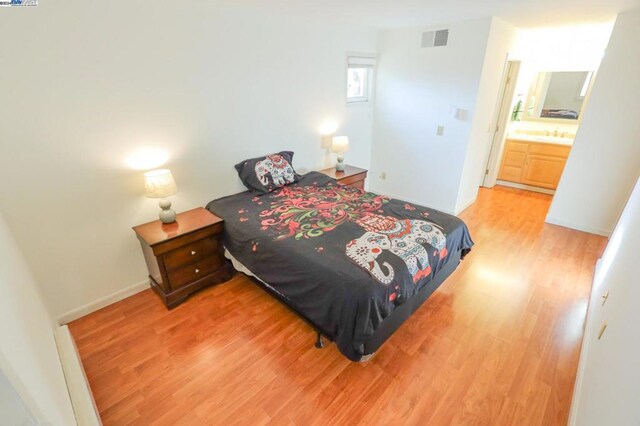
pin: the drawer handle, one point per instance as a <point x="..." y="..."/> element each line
<point x="193" y="253"/>
<point x="197" y="271"/>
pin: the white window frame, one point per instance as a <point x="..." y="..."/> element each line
<point x="368" y="62"/>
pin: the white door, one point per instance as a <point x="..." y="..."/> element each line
<point x="501" y="120"/>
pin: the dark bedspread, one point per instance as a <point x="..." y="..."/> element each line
<point x="342" y="257"/>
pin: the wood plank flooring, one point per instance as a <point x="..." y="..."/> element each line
<point x="497" y="344"/>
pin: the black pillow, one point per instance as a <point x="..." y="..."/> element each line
<point x="265" y="174"/>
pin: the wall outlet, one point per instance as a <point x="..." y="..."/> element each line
<point x="383" y="175"/>
<point x="440" y="131"/>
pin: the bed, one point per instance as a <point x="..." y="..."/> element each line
<point x="353" y="264"/>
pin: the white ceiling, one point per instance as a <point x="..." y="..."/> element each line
<point x="402" y="13"/>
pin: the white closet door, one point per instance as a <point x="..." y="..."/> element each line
<point x="608" y="385"/>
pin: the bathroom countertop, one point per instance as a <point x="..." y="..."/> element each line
<point x="541" y="139"/>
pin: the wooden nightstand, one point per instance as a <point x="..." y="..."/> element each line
<point x="352" y="176"/>
<point x="184" y="256"/>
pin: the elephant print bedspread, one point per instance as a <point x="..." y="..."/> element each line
<point x="341" y="256"/>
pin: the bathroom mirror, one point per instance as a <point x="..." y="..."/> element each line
<point x="558" y="95"/>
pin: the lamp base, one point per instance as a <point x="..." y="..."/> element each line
<point x="167" y="215"/>
<point x="340" y="163"/>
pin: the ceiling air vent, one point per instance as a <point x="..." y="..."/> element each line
<point x="435" y="38"/>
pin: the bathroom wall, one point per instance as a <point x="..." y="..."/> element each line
<point x="568" y="48"/>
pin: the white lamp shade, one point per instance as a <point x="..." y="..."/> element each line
<point x="340" y="144"/>
<point x="159" y="183"/>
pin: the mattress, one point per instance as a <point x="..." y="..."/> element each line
<point x="343" y="258"/>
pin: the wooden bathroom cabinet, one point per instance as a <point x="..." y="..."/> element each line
<point x="533" y="163"/>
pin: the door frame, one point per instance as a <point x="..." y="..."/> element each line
<point x="500" y="122"/>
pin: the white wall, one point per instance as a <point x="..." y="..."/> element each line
<point x="418" y="90"/>
<point x="605" y="158"/>
<point x="28" y="354"/>
<point x="501" y="42"/>
<point x="86" y="84"/>
<point x="13" y="410"/>
<point x="607" y="383"/>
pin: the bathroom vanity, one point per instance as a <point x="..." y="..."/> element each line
<point x="534" y="160"/>
<point x="542" y="130"/>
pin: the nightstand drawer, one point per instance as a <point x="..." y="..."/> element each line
<point x="193" y="272"/>
<point x="351" y="176"/>
<point x="190" y="253"/>
<point x="357" y="184"/>
<point x="355" y="180"/>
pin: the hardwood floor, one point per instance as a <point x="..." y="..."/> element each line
<point x="497" y="344"/>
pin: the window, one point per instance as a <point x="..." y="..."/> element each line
<point x="359" y="78"/>
<point x="356" y="84"/>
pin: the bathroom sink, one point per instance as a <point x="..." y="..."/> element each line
<point x="553" y="139"/>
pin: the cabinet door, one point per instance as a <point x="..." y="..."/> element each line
<point x="513" y="161"/>
<point x="543" y="171"/>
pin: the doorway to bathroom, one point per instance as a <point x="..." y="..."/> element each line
<point x="543" y="98"/>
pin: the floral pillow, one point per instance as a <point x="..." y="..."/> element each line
<point x="265" y="174"/>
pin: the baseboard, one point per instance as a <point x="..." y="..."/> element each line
<point x="465" y="206"/>
<point x="525" y="187"/>
<point x="84" y="406"/>
<point x="577" y="227"/>
<point x="102" y="302"/>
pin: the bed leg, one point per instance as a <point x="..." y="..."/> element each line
<point x="319" y="343"/>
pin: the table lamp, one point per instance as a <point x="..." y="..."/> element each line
<point x="160" y="184"/>
<point x="340" y="145"/>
